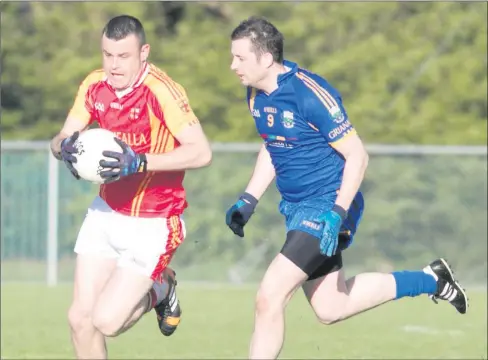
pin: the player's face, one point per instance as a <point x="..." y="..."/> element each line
<point x="123" y="60"/>
<point x="246" y="64"/>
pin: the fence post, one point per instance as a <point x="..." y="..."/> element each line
<point x="52" y="219"/>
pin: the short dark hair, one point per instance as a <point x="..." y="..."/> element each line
<point x="120" y="27"/>
<point x="264" y="37"/>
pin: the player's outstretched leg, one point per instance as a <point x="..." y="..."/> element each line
<point x="448" y="288"/>
<point x="168" y="311"/>
<point x="334" y="299"/>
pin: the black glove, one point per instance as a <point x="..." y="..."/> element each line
<point x="126" y="163"/>
<point x="68" y="150"/>
<point x="239" y="213"/>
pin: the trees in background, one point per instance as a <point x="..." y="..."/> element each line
<point x="408" y="72"/>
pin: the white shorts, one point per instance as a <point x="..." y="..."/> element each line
<point x="143" y="244"/>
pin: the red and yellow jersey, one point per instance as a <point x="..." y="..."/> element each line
<point x="147" y="116"/>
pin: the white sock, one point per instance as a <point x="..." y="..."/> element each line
<point x="161" y="291"/>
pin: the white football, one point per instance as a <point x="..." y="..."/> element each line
<point x="91" y="144"/>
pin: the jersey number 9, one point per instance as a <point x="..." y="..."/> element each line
<point x="270" y="120"/>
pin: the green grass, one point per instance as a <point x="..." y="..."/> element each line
<point x="217" y="323"/>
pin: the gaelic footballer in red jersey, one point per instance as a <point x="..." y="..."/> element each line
<point x="134" y="226"/>
<point x="148" y="121"/>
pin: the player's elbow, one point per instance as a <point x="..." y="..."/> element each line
<point x="207" y="157"/>
<point x="361" y="154"/>
<point x="365" y="157"/>
<point x="358" y="155"/>
<point x="204" y="156"/>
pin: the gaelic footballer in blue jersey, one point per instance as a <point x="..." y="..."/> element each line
<point x="319" y="161"/>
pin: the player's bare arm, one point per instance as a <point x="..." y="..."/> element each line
<point x="356" y="161"/>
<point x="194" y="152"/>
<point x="263" y="174"/>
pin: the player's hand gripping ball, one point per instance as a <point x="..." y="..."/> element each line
<point x="87" y="151"/>
<point x="121" y="163"/>
<point x="68" y="152"/>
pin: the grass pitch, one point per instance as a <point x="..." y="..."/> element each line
<point x="217" y="323"/>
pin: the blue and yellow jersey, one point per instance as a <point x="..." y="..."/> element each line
<point x="300" y="123"/>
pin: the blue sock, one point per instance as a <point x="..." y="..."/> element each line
<point x="414" y="283"/>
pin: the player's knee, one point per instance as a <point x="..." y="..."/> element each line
<point x="106" y="327"/>
<point x="327" y="316"/>
<point x="105" y="323"/>
<point x="328" y="312"/>
<point x="79" y="318"/>
<point x="267" y="303"/>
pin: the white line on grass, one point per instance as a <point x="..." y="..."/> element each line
<point x="430" y="331"/>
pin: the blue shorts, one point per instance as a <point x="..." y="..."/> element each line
<point x="303" y="215"/>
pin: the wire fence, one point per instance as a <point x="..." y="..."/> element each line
<point x="421" y="202"/>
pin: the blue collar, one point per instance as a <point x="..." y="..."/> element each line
<point x="293" y="70"/>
